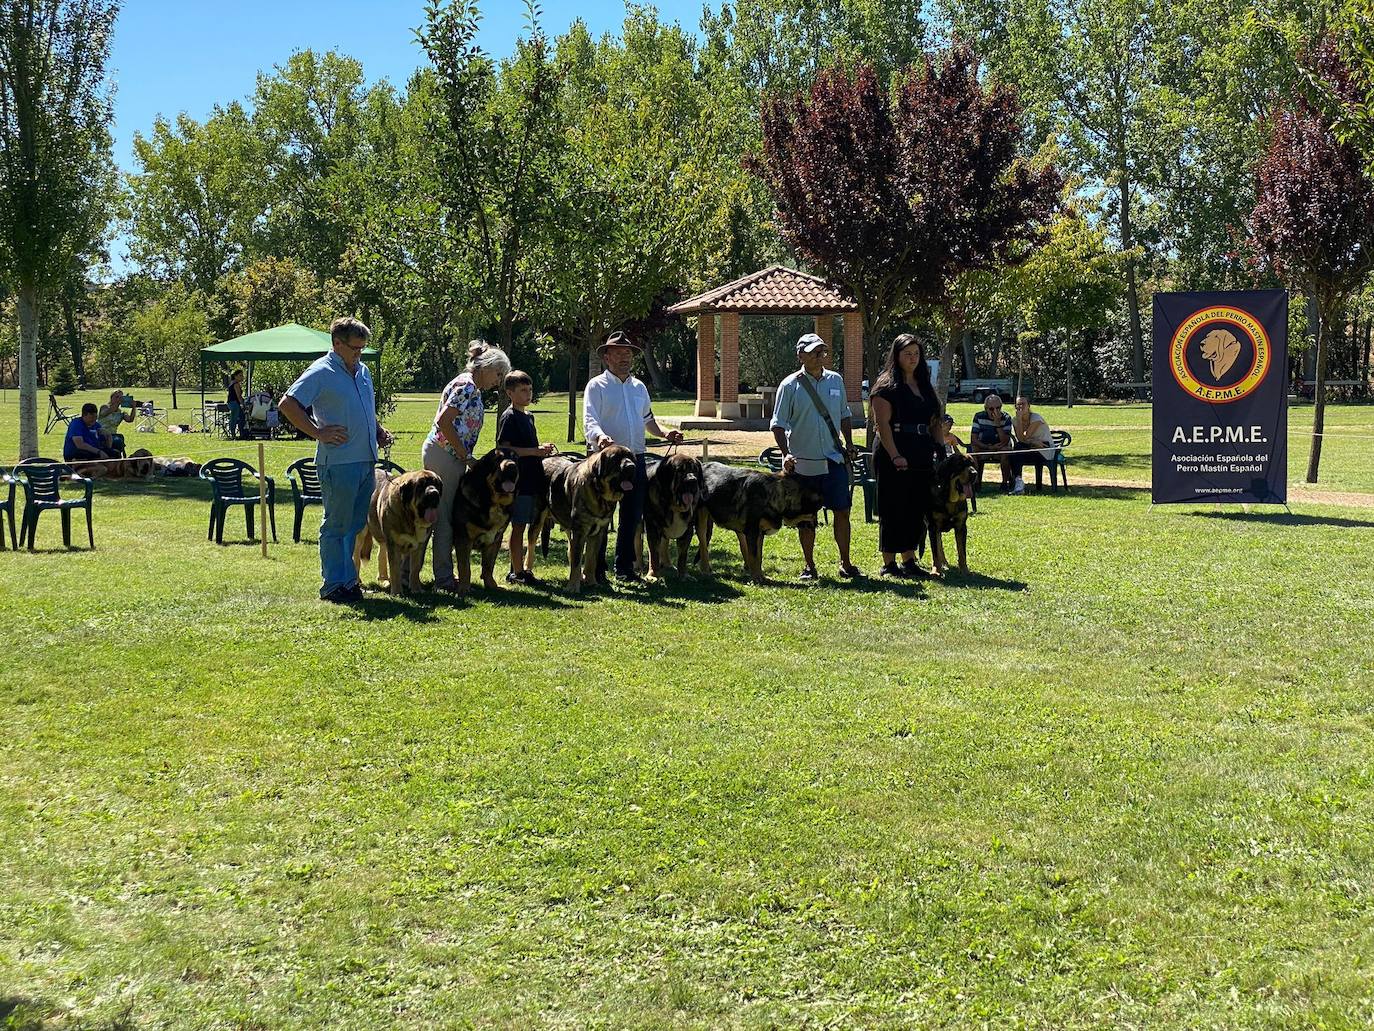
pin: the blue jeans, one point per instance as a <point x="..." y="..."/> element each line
<point x="238" y="422"/>
<point x="347" y="490"/>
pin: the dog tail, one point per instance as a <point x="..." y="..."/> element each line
<point x="365" y="546"/>
<point x="544" y="532"/>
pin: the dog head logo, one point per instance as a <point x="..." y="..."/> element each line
<point x="1234" y="346"/>
<point x="1221" y="349"/>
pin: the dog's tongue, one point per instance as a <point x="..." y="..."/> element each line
<point x="627" y="484"/>
<point x="432" y="516"/>
<point x="688" y="499"/>
<point x="968" y="491"/>
<point x="508" y="485"/>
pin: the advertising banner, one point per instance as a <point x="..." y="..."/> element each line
<point x="1220" y="421"/>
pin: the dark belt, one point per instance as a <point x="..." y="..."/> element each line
<point x="920" y="429"/>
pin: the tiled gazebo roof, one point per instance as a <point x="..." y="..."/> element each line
<point x="775" y="290"/>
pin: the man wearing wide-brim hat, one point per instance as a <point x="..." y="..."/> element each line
<point x="616" y="410"/>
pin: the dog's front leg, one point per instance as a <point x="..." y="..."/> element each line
<point x="489" y="553"/>
<point x="416" y="559"/>
<point x="383" y="564"/>
<point x="657" y="552"/>
<point x="595" y="548"/>
<point x="395" y="571"/>
<point x="704" y="529"/>
<point x="576" y="543"/>
<point x="463" y="543"/>
<point x="961" y="543"/>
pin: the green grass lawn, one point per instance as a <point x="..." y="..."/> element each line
<point x="1119" y="777"/>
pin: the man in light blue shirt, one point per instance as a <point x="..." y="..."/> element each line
<point x="338" y="390"/>
<point x="816" y="450"/>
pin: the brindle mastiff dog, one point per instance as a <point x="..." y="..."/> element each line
<point x="481" y="513"/>
<point x="400" y="519"/>
<point x="676" y="487"/>
<point x="753" y="504"/>
<point x="582" y="498"/>
<point x="949" y="495"/>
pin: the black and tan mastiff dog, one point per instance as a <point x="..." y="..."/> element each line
<point x="481" y="513"/>
<point x="677" y="484"/>
<point x="400" y="519"/>
<point x="582" y="498"/>
<point x="753" y="504"/>
<point x="949" y="496"/>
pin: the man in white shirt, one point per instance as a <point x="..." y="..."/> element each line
<point x="616" y="410"/>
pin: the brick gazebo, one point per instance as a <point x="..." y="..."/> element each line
<point x="776" y="291"/>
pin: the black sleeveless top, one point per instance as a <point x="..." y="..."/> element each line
<point x="910" y="422"/>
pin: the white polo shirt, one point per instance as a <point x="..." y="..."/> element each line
<point x="616" y="409"/>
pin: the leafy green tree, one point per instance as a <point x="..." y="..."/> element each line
<point x="271" y="292"/>
<point x="172" y="330"/>
<point x="55" y="114"/>
<point x="196" y="203"/>
<point x="495" y="129"/>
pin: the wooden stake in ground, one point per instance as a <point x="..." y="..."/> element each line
<point x="262" y="498"/>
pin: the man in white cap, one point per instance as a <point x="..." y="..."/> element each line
<point x="616" y="410"/>
<point x="810" y="414"/>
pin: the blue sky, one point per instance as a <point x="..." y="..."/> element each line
<point x="187" y="55"/>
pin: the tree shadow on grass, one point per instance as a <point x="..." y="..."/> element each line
<point x="20" y="1014"/>
<point x="1097" y="493"/>
<point x="1285" y="519"/>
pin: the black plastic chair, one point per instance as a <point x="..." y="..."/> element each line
<point x="226" y="476"/>
<point x="864" y="476"/>
<point x="1062" y="439"/>
<point x="9" y="484"/>
<point x="305" y="490"/>
<point x="42" y="479"/>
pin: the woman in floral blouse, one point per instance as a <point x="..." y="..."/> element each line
<point x="451" y="446"/>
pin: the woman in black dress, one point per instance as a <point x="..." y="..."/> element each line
<point x="903" y="406"/>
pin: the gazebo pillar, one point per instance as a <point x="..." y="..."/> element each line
<point x="706" y="365"/>
<point x="854" y="364"/>
<point x="729" y="365"/>
<point x="825" y="329"/>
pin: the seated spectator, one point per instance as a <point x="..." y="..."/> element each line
<point x="84" y="444"/>
<point x="1034" y="445"/>
<point x="952" y="441"/>
<point x="991" y="435"/>
<point x="110" y="418"/>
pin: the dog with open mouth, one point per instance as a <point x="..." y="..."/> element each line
<point x="481" y="513"/>
<point x="582" y="497"/>
<point x="950" y="492"/>
<point x="400" y="518"/>
<point x="676" y="487"/>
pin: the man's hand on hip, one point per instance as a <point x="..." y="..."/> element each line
<point x="332" y="435"/>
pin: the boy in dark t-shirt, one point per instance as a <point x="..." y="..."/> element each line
<point x="516" y="431"/>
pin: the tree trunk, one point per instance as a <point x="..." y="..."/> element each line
<point x="1068" y="367"/>
<point x="28" y="301"/>
<point x="1132" y="294"/>
<point x="970" y="367"/>
<point x="572" y="393"/>
<point x="954" y="334"/>
<point x="1314" y="456"/>
<point x="658" y="379"/>
<point x="998" y="330"/>
<point x="174" y="389"/>
<point x="1368" y="341"/>
<point x="1309" y="356"/>
<point x="74" y="340"/>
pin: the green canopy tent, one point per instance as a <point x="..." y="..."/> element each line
<point x="289" y="343"/>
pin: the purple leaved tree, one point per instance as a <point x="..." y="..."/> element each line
<point x="1313" y="221"/>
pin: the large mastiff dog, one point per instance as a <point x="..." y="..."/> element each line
<point x="753" y="504"/>
<point x="582" y="498"/>
<point x="677" y="484"/>
<point x="949" y="496"/>
<point x="400" y="519"/>
<point x="481" y="513"/>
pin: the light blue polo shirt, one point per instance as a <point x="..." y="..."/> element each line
<point x="808" y="437"/>
<point x="338" y="398"/>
